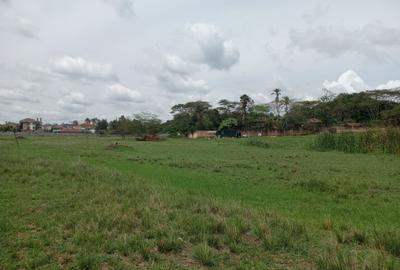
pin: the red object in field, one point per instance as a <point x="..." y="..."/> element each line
<point x="151" y="138"/>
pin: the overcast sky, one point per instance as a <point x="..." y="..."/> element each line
<point x="65" y="60"/>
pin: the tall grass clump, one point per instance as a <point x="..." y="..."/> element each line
<point x="325" y="141"/>
<point x="389" y="241"/>
<point x="373" y="140"/>
<point x="205" y="255"/>
<point x="255" y="142"/>
<point x="342" y="259"/>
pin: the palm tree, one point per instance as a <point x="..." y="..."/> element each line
<point x="245" y="100"/>
<point x="277" y="93"/>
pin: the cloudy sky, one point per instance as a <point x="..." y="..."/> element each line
<point x="65" y="60"/>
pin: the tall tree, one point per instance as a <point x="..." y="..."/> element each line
<point x="195" y="115"/>
<point x="101" y="126"/>
<point x="228" y="108"/>
<point x="286" y="103"/>
<point x="245" y="102"/>
<point x="277" y="93"/>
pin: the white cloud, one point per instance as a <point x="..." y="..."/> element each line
<point x="79" y="68"/>
<point x="176" y="83"/>
<point x="120" y="93"/>
<point x="15" y="95"/>
<point x="348" y="82"/>
<point x="176" y="64"/>
<point x="216" y="51"/>
<point x="175" y="76"/>
<point x="74" y="102"/>
<point x="372" y="40"/>
<point x="389" y="85"/>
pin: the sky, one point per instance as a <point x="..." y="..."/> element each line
<point x="66" y="60"/>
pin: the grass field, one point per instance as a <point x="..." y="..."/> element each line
<point x="83" y="203"/>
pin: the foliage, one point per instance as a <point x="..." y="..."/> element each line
<point x="228" y="123"/>
<point x="191" y="116"/>
<point x="101" y="125"/>
<point x="373" y="140"/>
<point x="371" y="108"/>
<point x="141" y="124"/>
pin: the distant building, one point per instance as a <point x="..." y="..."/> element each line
<point x="91" y="122"/>
<point x="229" y="133"/>
<point x="210" y="134"/>
<point x="29" y="124"/>
<point x="353" y="125"/>
<point x="47" y="127"/>
<point x="314" y="121"/>
<point x="56" y="128"/>
<point x="88" y="127"/>
<point x="69" y="131"/>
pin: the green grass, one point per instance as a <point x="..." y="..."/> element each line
<point x="76" y="203"/>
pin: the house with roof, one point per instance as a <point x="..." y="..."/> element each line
<point x="29" y="124"/>
<point x="88" y="127"/>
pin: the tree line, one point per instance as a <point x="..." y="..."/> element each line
<point x="369" y="108"/>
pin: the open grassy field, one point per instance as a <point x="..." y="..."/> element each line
<point x="273" y="203"/>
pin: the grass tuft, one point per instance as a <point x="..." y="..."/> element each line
<point x="341" y="259"/>
<point x="170" y="244"/>
<point x="205" y="255"/>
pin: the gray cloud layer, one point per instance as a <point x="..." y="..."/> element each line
<point x="103" y="58"/>
<point x="371" y="40"/>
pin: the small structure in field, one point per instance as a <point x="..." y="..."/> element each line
<point x="229" y="133"/>
<point x="353" y="125"/>
<point x="69" y="131"/>
<point x="149" y="138"/>
<point x="205" y="134"/>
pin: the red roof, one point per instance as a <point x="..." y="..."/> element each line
<point x="70" y="130"/>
